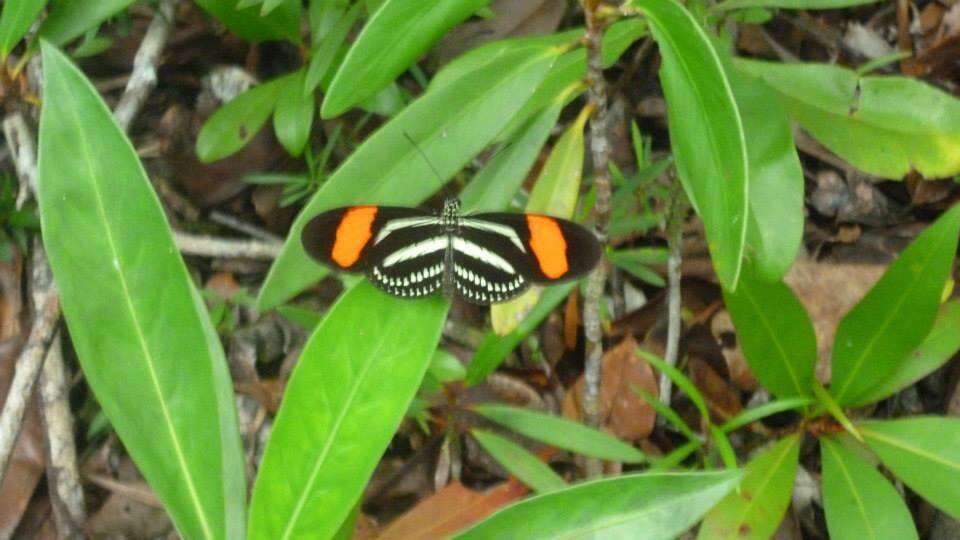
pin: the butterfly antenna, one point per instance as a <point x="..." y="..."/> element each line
<point x="424" y="156"/>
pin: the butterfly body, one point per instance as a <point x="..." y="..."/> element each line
<point x="485" y="258"/>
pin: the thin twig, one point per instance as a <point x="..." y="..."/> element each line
<point x="675" y="245"/>
<point x="242" y="226"/>
<point x="69" y="509"/>
<point x="46" y="313"/>
<point x="144" y="76"/>
<point x="225" y="248"/>
<point x="600" y="150"/>
<point x="23" y="151"/>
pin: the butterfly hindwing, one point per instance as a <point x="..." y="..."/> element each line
<point x="407" y="256"/>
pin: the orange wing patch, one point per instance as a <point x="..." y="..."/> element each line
<point x="353" y="233"/>
<point x="549" y="246"/>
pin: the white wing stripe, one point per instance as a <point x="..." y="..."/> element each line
<point x="419" y="249"/>
<point x="482" y="254"/>
<point x="403" y="223"/>
<point x="496" y="228"/>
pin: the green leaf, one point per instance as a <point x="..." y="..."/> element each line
<point x="791" y="4"/>
<point x="302" y="317"/>
<point x="519" y="462"/>
<point x="445" y="367"/>
<point x="937" y="348"/>
<point x="679" y="379"/>
<point x="294" y="115"/>
<point x="494" y="186"/>
<point x="15" y="20"/>
<point x="775" y="220"/>
<point x="494" y="348"/>
<point x="885" y="126"/>
<point x="755" y="509"/>
<point x="748" y="416"/>
<point x="858" y="500"/>
<point x="138" y="325"/>
<point x="68" y="19"/>
<point x="355" y="380"/>
<point x="394" y="37"/>
<point x="561" y="433"/>
<point x="879" y="333"/>
<point x="706" y="134"/>
<point x="775" y="333"/>
<point x="449" y="125"/>
<point x="270" y="5"/>
<point x="324" y="52"/>
<point x="656" y="506"/>
<point x="637" y="260"/>
<point x="668" y="413"/>
<point x="924" y="452"/>
<point x="282" y="23"/>
<point x="235" y="124"/>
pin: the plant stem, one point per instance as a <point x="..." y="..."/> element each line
<point x="675" y="245"/>
<point x="600" y="150"/>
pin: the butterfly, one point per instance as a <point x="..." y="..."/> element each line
<point x="485" y="258"/>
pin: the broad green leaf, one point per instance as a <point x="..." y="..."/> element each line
<point x="759" y="412"/>
<point x="139" y="327"/>
<point x="554" y="193"/>
<point x="937" y="348"/>
<point x="494" y="348"/>
<point x="775" y="220"/>
<point x="924" y="452"/>
<point x="706" y="134"/>
<point x="883" y="125"/>
<point x="880" y="332"/>
<point x="519" y="462"/>
<point x="654" y="506"/>
<point x="282" y="23"/>
<point x="492" y="189"/>
<point x="68" y="19"/>
<point x="236" y="123"/>
<point x="294" y="115"/>
<point x="859" y="502"/>
<point x="306" y="319"/>
<point x="449" y="125"/>
<point x="355" y="380"/>
<point x="756" y="507"/>
<point x="324" y="53"/>
<point x="791" y="4"/>
<point x="270" y="5"/>
<point x="561" y="433"/>
<point x="394" y="37"/>
<point x="775" y="333"/>
<point x="15" y="20"/>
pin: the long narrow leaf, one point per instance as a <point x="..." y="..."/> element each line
<point x="880" y="332"/>
<point x="521" y="463"/>
<point x="356" y="378"/>
<point x="706" y="133"/>
<point x="395" y="36"/>
<point x="649" y="506"/>
<point x="858" y="500"/>
<point x="69" y="19"/>
<point x="15" y="20"/>
<point x="561" y="433"/>
<point x="141" y="332"/>
<point x="756" y="508"/>
<point x="776" y="335"/>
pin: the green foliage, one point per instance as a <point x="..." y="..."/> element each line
<point x="238" y="122"/>
<point x="779" y="342"/>
<point x="662" y="505"/>
<point x="141" y="334"/>
<point x="340" y="410"/>
<point x="522" y="464"/>
<point x="706" y="132"/>
<point x="281" y="23"/>
<point x="561" y="433"/>
<point x="895" y="316"/>
<point x="858" y="500"/>
<point x="69" y="19"/>
<point x="15" y="20"/>
<point x="755" y="508"/>
<point x="395" y="36"/>
<point x="884" y="125"/>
